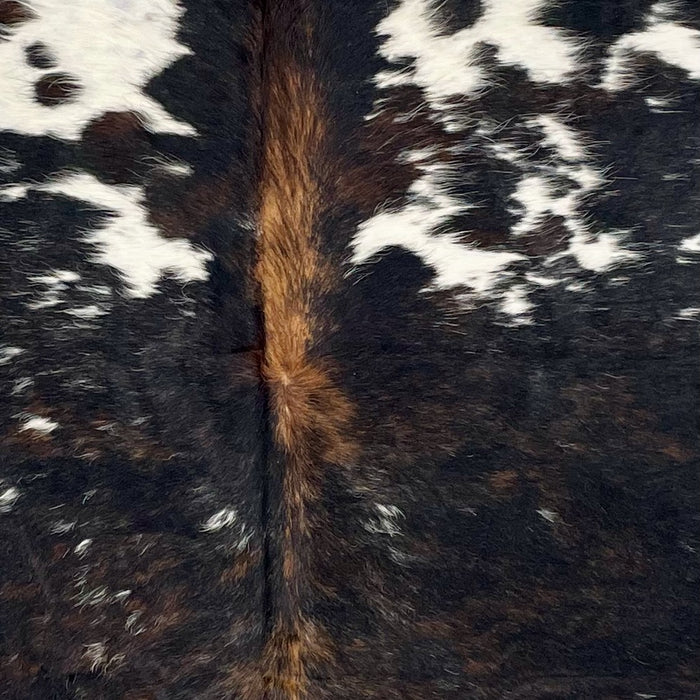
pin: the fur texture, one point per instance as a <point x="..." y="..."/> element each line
<point x="349" y="350"/>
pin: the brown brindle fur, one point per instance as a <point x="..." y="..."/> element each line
<point x="309" y="414"/>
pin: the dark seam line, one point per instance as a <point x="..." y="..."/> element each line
<point x="267" y="517"/>
<point x="245" y="350"/>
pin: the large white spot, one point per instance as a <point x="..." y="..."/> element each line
<point x="126" y="240"/>
<point x="540" y="194"/>
<point x="414" y="227"/>
<point x="112" y="47"/>
<point x="449" y="65"/>
<point x="671" y="42"/>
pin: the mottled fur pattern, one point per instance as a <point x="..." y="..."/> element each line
<point x="349" y="349"/>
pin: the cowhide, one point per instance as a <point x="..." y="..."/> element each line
<point x="350" y="349"/>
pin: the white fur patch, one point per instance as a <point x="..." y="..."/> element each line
<point x="86" y="312"/>
<point x="448" y="65"/>
<point x="688" y="250"/>
<point x="61" y="527"/>
<point x="516" y="304"/>
<point x="8" y="498"/>
<point x="414" y="227"/>
<point x="690" y="314"/>
<point x="52" y="285"/>
<point x="8" y="353"/>
<point x="540" y="194"/>
<point x="692" y="244"/>
<point x="555" y="188"/>
<point x="39" y="424"/>
<point x="126" y="241"/>
<point x="8" y="161"/>
<point x="225" y="518"/>
<point x="96" y="654"/>
<point x="562" y="138"/>
<point x="599" y="253"/>
<point x="82" y="547"/>
<point x="21" y="385"/>
<point x="549" y="515"/>
<point x="387" y="522"/>
<point x="671" y="42"/>
<point x="131" y="625"/>
<point x="12" y="193"/>
<point x="111" y="47"/>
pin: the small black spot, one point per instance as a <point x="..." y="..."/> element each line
<point x="39" y="56"/>
<point x="56" y="88"/>
<point x="13" y="12"/>
<point x="458" y="14"/>
<point x="603" y="19"/>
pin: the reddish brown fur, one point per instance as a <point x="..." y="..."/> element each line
<point x="388" y="133"/>
<point x="309" y="414"/>
<point x="56" y="88"/>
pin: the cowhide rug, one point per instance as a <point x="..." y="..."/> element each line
<point x="349" y="349"/>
